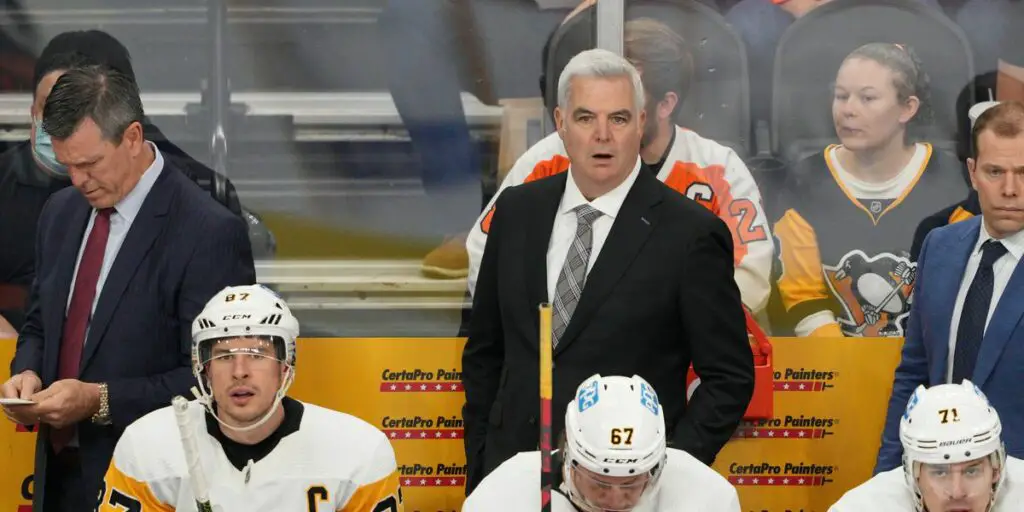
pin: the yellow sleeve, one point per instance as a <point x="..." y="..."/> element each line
<point x="121" y="492"/>
<point x="384" y="495"/>
<point x="830" y="330"/>
<point x="802" y="285"/>
<point x="959" y="214"/>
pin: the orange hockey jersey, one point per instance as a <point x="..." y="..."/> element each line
<point x="703" y="170"/>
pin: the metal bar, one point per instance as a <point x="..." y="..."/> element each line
<point x="611" y="15"/>
<point x="308" y="109"/>
<point x="300" y="303"/>
<point x="219" y="95"/>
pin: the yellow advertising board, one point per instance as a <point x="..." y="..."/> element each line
<point x="830" y="400"/>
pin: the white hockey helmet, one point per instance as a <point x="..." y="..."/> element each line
<point x="244" y="311"/>
<point x="615" y="427"/>
<point x="950" y="424"/>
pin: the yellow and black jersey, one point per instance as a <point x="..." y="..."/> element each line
<point x="317" y="460"/>
<point x="844" y="244"/>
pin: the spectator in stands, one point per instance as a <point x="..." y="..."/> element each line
<point x="993" y="29"/>
<point x="969" y="301"/>
<point x="955" y="213"/>
<point x="439" y="48"/>
<point x="126" y="258"/>
<point x="955" y="459"/>
<point x="435" y="48"/>
<point x="703" y="170"/>
<point x="960" y="211"/>
<point x="29" y="173"/>
<point x="640" y="278"/>
<point x="18" y="36"/>
<point x="850" y="211"/>
<point x="761" y="24"/>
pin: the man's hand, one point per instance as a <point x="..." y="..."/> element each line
<point x="22" y="385"/>
<point x="66" y="402"/>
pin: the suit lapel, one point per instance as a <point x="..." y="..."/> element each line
<point x="632" y="226"/>
<point x="1004" y="321"/>
<point x="77" y="221"/>
<point x="143" y="232"/>
<point x="538" y="236"/>
<point x="948" y="286"/>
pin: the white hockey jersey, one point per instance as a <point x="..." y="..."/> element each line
<point x="700" y="168"/>
<point x="687" y="485"/>
<point x="330" y="461"/>
<point x="888" y="492"/>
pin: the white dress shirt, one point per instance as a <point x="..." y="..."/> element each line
<point x="121" y="220"/>
<point x="564" y="229"/>
<point x="1002" y="269"/>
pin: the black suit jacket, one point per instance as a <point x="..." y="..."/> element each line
<point x="660" y="295"/>
<point x="181" y="249"/>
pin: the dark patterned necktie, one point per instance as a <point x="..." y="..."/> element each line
<point x="975" y="312"/>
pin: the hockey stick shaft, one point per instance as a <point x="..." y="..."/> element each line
<point x="197" y="478"/>
<point x="546" y="475"/>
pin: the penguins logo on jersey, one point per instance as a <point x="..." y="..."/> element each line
<point x="875" y="292"/>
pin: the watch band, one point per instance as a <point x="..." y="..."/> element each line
<point x="102" y="416"/>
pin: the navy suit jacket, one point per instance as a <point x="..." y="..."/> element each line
<point x="926" y="349"/>
<point x="182" y="248"/>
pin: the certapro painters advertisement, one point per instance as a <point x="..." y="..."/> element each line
<point x="830" y="400"/>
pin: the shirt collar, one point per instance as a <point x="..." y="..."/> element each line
<point x="129" y="206"/>
<point x="1014" y="243"/>
<point x="608" y="204"/>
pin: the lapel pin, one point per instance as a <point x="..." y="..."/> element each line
<point x="645" y="220"/>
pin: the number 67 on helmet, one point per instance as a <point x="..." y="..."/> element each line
<point x="612" y="457"/>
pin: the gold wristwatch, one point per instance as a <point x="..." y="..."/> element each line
<point x="102" y="416"/>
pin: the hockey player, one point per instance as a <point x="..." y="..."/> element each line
<point x="613" y="458"/>
<point x="259" y="449"/>
<point x="699" y="168"/>
<point x="953" y="459"/>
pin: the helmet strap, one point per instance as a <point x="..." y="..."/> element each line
<point x="205" y="397"/>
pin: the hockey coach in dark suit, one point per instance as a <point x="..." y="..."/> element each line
<point x="640" y="279"/>
<point x="125" y="260"/>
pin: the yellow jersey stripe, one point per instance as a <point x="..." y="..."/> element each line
<point x="377" y="496"/>
<point x="122" y="492"/>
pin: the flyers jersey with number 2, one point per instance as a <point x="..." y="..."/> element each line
<point x="703" y="170"/>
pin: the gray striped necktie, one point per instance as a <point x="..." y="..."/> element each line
<point x="571" y="280"/>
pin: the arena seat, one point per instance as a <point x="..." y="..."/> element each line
<point x="718" y="104"/>
<point x="812" y="49"/>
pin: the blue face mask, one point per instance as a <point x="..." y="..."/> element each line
<point x="42" y="149"/>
